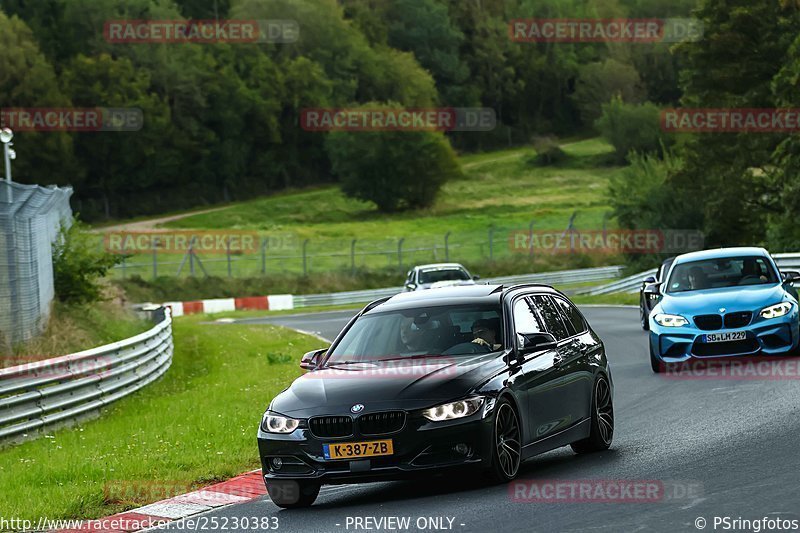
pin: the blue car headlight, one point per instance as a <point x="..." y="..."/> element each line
<point x="670" y="321"/>
<point x="775" y="311"/>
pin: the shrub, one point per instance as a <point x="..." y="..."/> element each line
<point x="632" y="128"/>
<point x="394" y="169"/>
<point x="79" y="265"/>
<point x="548" y="152"/>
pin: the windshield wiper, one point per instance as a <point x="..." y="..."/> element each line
<point x="407" y="357"/>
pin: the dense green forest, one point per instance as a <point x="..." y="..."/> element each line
<point x="221" y="120"/>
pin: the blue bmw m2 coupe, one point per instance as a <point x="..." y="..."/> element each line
<point x="724" y="302"/>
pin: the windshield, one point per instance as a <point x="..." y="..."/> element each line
<point x="442" y="274"/>
<point x="720" y="273"/>
<point x="440" y="330"/>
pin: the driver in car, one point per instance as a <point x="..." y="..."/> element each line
<point x="485" y="334"/>
<point x="697" y="278"/>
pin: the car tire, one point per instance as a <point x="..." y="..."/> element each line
<point x="655" y="364"/>
<point x="506" y="443"/>
<point x="602" y="420"/>
<point x="291" y="494"/>
<point x="644" y="319"/>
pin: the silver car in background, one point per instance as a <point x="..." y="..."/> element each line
<point x="437" y="275"/>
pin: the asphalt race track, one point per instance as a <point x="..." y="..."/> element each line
<point x="715" y="447"/>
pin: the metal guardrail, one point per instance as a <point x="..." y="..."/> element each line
<point x="632" y="284"/>
<point x="43" y="394"/>
<point x="553" y="278"/>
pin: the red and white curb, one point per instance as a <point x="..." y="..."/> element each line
<point x="275" y="302"/>
<point x="240" y="489"/>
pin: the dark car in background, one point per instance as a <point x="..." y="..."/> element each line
<point x="481" y="377"/>
<point x="649" y="295"/>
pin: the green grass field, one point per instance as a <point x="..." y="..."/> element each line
<point x="194" y="426"/>
<point x="499" y="189"/>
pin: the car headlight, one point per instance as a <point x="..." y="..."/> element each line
<point x="670" y="321"/>
<point x="774" y="311"/>
<point x="449" y="411"/>
<point x="274" y="423"/>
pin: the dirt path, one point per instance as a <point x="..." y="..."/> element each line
<point x="152" y="223"/>
<point x="510" y="156"/>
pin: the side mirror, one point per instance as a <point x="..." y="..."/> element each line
<point x="311" y="359"/>
<point x="649" y="279"/>
<point x="790" y="276"/>
<point x="533" y="342"/>
<point x="476" y="277"/>
<point x="411" y="286"/>
<point x="653" y="288"/>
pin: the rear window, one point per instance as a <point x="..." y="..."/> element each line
<point x="551" y="316"/>
<point x="572" y="316"/>
<point x="447" y="274"/>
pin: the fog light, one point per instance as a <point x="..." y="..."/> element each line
<point x="277" y="463"/>
<point x="461" y="448"/>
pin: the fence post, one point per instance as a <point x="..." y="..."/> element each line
<point x="530" y="239"/>
<point x="155" y="257"/>
<point x="228" y="253"/>
<point x="305" y="257"/>
<point x="264" y="244"/>
<point x="606" y="216"/>
<point x="491" y="243"/>
<point x="400" y="252"/>
<point x="447" y="247"/>
<point x="191" y="257"/>
<point x="353" y="257"/>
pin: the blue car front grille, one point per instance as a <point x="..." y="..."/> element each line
<point x="730" y="321"/>
<point x="738" y="320"/>
<point x="708" y="322"/>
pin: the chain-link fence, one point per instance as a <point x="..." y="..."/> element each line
<point x="242" y="253"/>
<point x="30" y="218"/>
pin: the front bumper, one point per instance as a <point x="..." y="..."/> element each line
<point x="420" y="447"/>
<point x="777" y="336"/>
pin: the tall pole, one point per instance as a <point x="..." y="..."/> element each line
<point x="8" y="162"/>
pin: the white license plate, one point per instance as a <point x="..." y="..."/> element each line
<point x="725" y="337"/>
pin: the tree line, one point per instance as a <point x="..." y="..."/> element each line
<point x="221" y="120"/>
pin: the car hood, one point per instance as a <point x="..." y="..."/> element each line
<point x="412" y="384"/>
<point x="742" y="298"/>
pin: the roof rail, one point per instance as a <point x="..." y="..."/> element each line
<point x="524" y="285"/>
